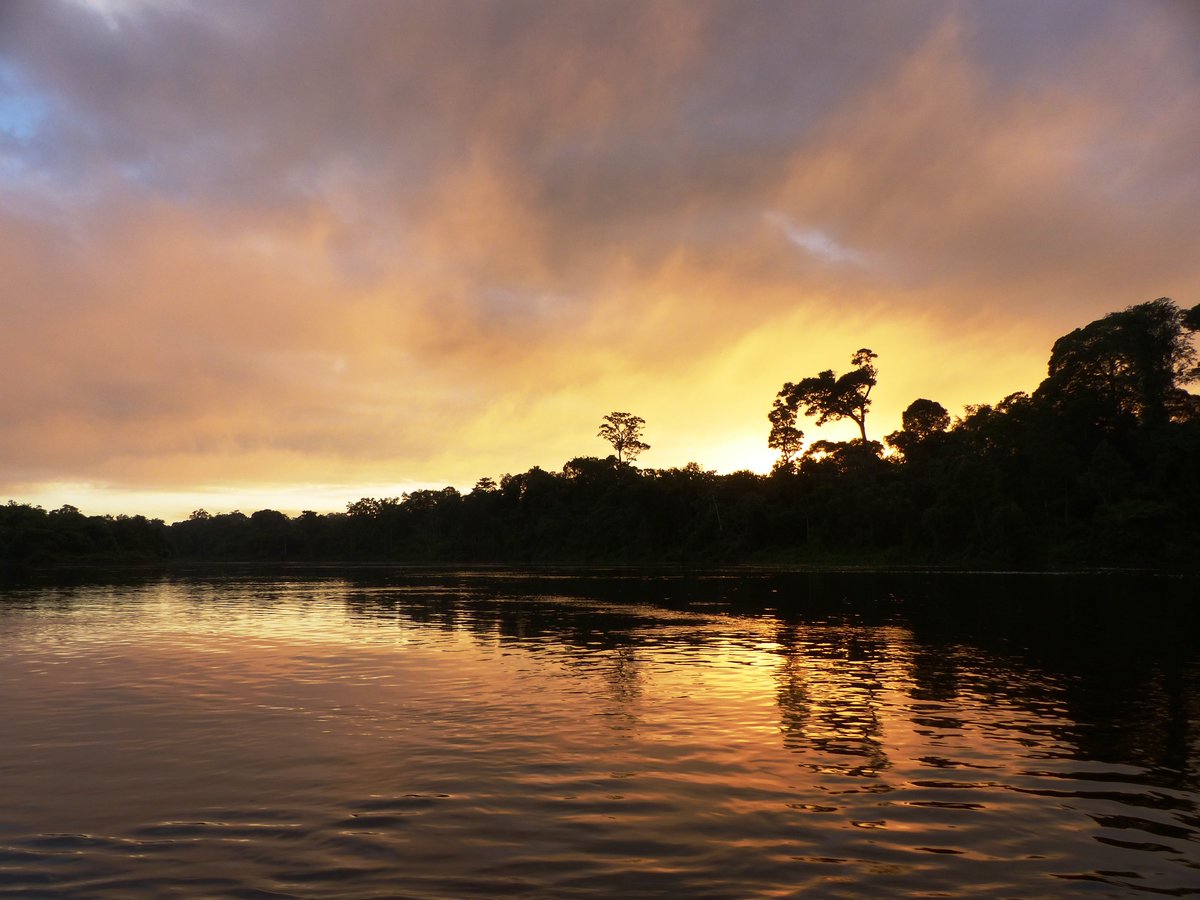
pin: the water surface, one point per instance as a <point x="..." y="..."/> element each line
<point x="481" y="734"/>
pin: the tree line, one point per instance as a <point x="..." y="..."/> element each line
<point x="1099" y="465"/>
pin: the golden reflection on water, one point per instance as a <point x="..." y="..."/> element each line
<point x="455" y="738"/>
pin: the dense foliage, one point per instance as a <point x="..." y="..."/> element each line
<point x="1101" y="464"/>
<point x="31" y="535"/>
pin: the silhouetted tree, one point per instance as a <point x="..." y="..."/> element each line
<point x="785" y="436"/>
<point x="624" y="432"/>
<point x="829" y="396"/>
<point x="920" y="421"/>
<point x="845" y="456"/>
<point x="1128" y="367"/>
<point x="589" y="469"/>
<point x="925" y="417"/>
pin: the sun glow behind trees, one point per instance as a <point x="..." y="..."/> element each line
<point x="1098" y="464"/>
<point x="437" y="262"/>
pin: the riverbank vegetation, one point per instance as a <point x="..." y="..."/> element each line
<point x="1099" y="465"/>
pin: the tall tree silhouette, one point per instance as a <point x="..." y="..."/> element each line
<point x="1128" y="367"/>
<point x="785" y="436"/>
<point x="624" y="431"/>
<point x="828" y="396"/>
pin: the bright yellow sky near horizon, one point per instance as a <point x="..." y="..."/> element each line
<point x="278" y="256"/>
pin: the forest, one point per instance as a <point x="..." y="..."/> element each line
<point x="1100" y="465"/>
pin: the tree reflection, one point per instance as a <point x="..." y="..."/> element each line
<point x="828" y="688"/>
<point x="791" y="691"/>
<point x="934" y="673"/>
<point x="1105" y="664"/>
<point x="623" y="680"/>
<point x="862" y="661"/>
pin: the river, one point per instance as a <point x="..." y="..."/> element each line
<point x="378" y="733"/>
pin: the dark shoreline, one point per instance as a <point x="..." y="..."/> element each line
<point x="101" y="572"/>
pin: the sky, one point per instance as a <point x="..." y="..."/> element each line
<point x="289" y="254"/>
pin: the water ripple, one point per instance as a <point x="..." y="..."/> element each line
<point x="330" y="739"/>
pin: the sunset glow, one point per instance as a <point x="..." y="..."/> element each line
<point x="287" y="255"/>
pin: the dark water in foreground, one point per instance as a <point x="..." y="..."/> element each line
<point x="437" y="734"/>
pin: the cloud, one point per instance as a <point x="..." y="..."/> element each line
<point x="815" y="241"/>
<point x="366" y="243"/>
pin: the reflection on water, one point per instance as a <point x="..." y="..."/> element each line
<point x="459" y="734"/>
